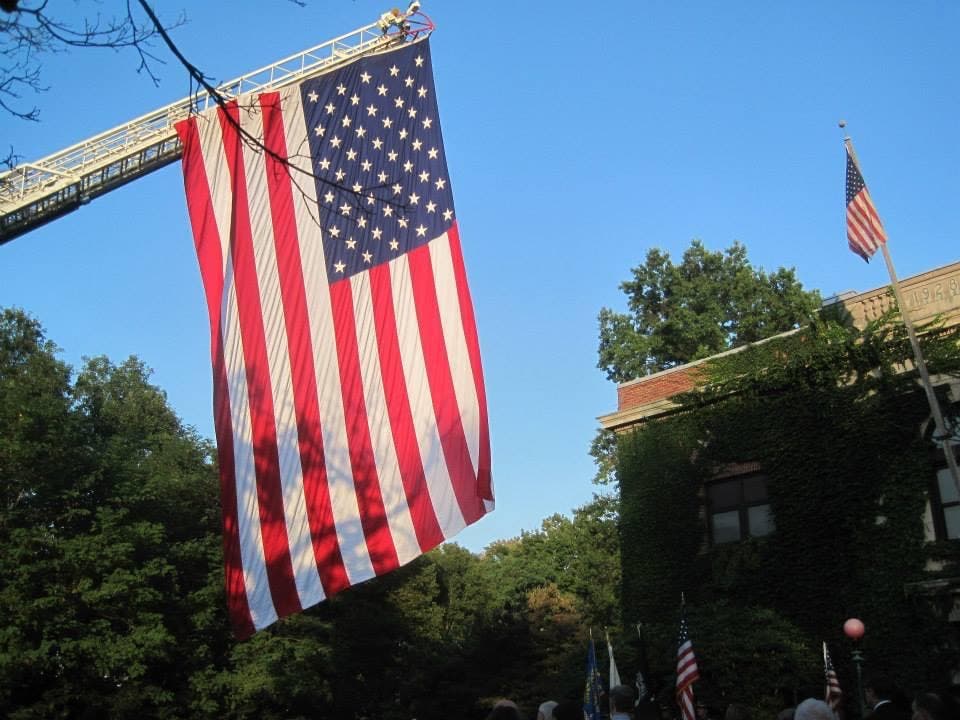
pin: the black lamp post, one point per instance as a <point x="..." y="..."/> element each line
<point x="854" y="629"/>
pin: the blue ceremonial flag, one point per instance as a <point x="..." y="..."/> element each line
<point x="592" y="687"/>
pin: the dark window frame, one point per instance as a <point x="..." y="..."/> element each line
<point x="742" y="505"/>
<point x="938" y="507"/>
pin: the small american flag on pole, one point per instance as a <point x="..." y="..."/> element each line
<point x="833" y="694"/>
<point x="687" y="671"/>
<point x="349" y="401"/>
<point x="865" y="232"/>
<point x="614" y="673"/>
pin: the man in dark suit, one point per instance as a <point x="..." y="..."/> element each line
<point x="885" y="699"/>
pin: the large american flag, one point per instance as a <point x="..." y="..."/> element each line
<point x="349" y="401"/>
<point x="865" y="232"/>
<point x="687" y="671"/>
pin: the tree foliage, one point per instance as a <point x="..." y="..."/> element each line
<point x="108" y="533"/>
<point x="111" y="581"/>
<point x="708" y="303"/>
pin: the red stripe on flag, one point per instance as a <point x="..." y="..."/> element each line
<point x="273" y="529"/>
<point x="445" y="408"/>
<point x="410" y="463"/>
<point x="484" y="480"/>
<point x="210" y="256"/>
<point x="323" y="532"/>
<point x="685" y="699"/>
<point x="366" y="482"/>
<point x="236" y="587"/>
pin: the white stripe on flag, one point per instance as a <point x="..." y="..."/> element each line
<point x="262" y="611"/>
<point x="304" y="563"/>
<point x="457" y="353"/>
<point x="418" y="390"/>
<point x="378" y="420"/>
<point x="343" y="497"/>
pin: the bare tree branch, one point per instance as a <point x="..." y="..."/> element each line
<point x="248" y="138"/>
<point x="28" y="31"/>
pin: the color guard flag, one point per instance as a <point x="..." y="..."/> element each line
<point x="865" y="232"/>
<point x="641" y="684"/>
<point x="687" y="671"/>
<point x="349" y="400"/>
<point x="614" y="673"/>
<point x="593" y="689"/>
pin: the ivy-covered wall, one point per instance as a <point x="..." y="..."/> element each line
<point x="838" y="435"/>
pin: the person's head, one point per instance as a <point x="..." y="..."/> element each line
<point x="735" y="711"/>
<point x="505" y="710"/>
<point x="813" y="709"/>
<point x="928" y="706"/>
<point x="621" y="698"/>
<point x="545" y="711"/>
<point x="786" y="714"/>
<point x="879" y="687"/>
<point x="702" y="710"/>
<point x="646" y="710"/>
<point x="568" y="710"/>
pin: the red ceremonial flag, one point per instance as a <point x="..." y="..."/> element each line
<point x="687" y="671"/>
<point x="349" y="402"/>
<point x="865" y="232"/>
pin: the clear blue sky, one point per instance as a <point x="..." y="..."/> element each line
<point x="578" y="136"/>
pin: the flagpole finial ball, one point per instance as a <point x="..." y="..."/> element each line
<point x="842" y="123"/>
<point x="854" y="629"/>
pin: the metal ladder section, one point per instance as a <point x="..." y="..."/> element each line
<point x="35" y="193"/>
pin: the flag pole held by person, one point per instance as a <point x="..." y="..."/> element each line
<point x="833" y="694"/>
<point x="687" y="670"/>
<point x="592" y="687"/>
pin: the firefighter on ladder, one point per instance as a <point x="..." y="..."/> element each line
<point x="395" y="18"/>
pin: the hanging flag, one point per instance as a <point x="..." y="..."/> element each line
<point x="349" y="401"/>
<point x="642" y="690"/>
<point x="687" y="670"/>
<point x="865" y="232"/>
<point x="614" y="673"/>
<point x="833" y="692"/>
<point x="593" y="688"/>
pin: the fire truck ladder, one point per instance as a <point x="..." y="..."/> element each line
<point x="33" y="194"/>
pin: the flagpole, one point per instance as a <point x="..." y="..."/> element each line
<point x="641" y="679"/>
<point x="938" y="420"/>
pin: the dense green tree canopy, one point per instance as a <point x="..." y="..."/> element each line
<point x="108" y="537"/>
<point x="708" y="303"/>
<point x="111" y="581"/>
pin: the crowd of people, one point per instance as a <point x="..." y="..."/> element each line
<point x="883" y="700"/>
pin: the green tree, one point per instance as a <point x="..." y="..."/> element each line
<point x="109" y="542"/>
<point x="111" y="581"/>
<point x="677" y="313"/>
<point x="580" y="555"/>
<point x="708" y="303"/>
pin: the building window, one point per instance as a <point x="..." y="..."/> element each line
<point x="949" y="506"/>
<point x="738" y="508"/>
